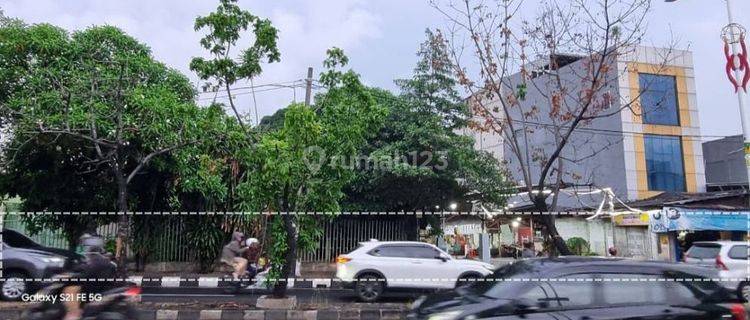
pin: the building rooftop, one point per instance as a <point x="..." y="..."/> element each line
<point x="717" y="200"/>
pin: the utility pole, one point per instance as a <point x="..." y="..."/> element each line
<point x="308" y="86"/>
<point x="734" y="40"/>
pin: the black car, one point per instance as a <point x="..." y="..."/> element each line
<point x="572" y="288"/>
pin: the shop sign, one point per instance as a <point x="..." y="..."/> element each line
<point x="632" y="219"/>
<point x="679" y="219"/>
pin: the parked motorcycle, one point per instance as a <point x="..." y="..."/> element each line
<point x="114" y="304"/>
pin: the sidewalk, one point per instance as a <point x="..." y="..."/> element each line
<point x="219" y="280"/>
<point x="314" y="275"/>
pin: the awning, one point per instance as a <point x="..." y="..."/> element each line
<point x="679" y="219"/>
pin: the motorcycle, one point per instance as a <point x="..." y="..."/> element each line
<point x="114" y="304"/>
<point x="247" y="281"/>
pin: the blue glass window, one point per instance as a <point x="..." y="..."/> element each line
<point x="664" y="165"/>
<point x="658" y="99"/>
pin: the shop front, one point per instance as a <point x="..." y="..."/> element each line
<point x="632" y="236"/>
<point x="677" y="228"/>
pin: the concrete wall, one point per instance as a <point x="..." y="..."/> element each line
<point x="725" y="163"/>
<point x="597" y="232"/>
<point x="594" y="153"/>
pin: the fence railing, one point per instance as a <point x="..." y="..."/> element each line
<point x="343" y="234"/>
<point x="340" y="235"/>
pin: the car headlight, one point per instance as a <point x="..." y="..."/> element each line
<point x="450" y="315"/>
<point x="55" y="261"/>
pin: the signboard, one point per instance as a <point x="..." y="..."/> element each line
<point x="632" y="220"/>
<point x="678" y="219"/>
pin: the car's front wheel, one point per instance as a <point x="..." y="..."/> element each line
<point x="13" y="286"/>
<point x="369" y="287"/>
<point x="744" y="291"/>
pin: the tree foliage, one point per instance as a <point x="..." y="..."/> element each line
<point x="431" y="163"/>
<point x="225" y="27"/>
<point x="95" y="112"/>
<point x="295" y="168"/>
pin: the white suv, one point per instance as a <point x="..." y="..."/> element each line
<point x="375" y="266"/>
<point x="730" y="257"/>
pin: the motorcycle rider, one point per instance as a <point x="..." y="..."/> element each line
<point x="252" y="255"/>
<point x="95" y="265"/>
<point x="232" y="254"/>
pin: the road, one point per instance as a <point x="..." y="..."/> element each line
<point x="189" y="303"/>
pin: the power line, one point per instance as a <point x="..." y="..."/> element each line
<point x="285" y="84"/>
<point x="250" y="92"/>
<point x="613" y="132"/>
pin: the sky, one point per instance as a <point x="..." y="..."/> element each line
<point x="380" y="37"/>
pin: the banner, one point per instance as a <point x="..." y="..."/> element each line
<point x="678" y="219"/>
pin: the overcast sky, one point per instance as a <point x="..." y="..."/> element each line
<point x="380" y="37"/>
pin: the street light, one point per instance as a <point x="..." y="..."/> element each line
<point x="453" y="206"/>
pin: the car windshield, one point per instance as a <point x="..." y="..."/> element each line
<point x="15" y="239"/>
<point x="704" y="251"/>
<point x="497" y="286"/>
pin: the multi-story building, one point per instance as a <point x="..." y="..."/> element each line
<point x="644" y="140"/>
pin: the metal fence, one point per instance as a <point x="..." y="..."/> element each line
<point x="171" y="245"/>
<point x="340" y="235"/>
<point x="344" y="234"/>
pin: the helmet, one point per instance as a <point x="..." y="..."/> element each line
<point x="251" y="241"/>
<point x="92" y="243"/>
<point x="612" y="251"/>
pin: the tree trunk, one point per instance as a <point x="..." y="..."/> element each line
<point x="290" y="260"/>
<point x="548" y="221"/>
<point x="123" y="223"/>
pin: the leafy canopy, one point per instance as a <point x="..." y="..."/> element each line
<point x="294" y="167"/>
<point x="432" y="164"/>
<point x="80" y="105"/>
<point x="225" y="27"/>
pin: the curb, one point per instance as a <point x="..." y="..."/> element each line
<point x="218" y="282"/>
<point x="323" y="314"/>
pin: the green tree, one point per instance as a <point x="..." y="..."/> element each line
<point x="225" y="27"/>
<point x="102" y="90"/>
<point x="295" y="168"/>
<point x="431" y="91"/>
<point x="433" y="165"/>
